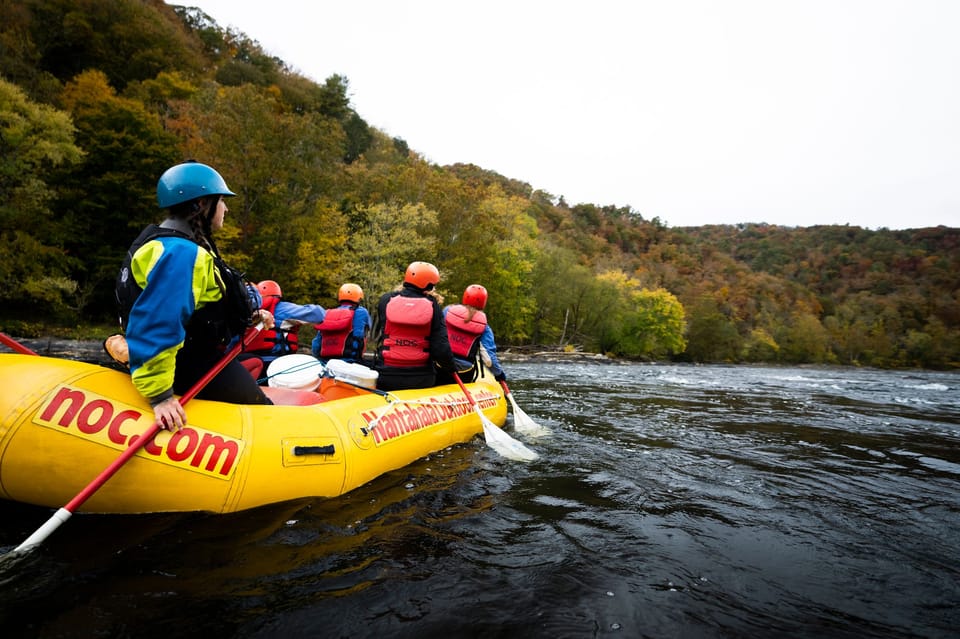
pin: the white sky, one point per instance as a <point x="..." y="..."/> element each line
<point x="794" y="112"/>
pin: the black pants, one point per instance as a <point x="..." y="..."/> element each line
<point x="466" y="377"/>
<point x="233" y="384"/>
<point x="391" y="379"/>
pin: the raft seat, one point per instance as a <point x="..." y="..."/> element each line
<point x="291" y="396"/>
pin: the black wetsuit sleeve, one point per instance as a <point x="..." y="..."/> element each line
<point x="440" y="351"/>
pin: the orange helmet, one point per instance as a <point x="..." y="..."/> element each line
<point x="350" y="293"/>
<point x="269" y="288"/>
<point x="423" y="275"/>
<point x="475" y="296"/>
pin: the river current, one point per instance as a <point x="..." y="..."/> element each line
<point x="668" y="501"/>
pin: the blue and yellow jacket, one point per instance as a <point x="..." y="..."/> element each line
<point x="177" y="277"/>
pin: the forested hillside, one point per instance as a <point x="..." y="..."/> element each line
<point x="98" y="97"/>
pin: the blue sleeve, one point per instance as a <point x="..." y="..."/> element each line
<point x="490" y="345"/>
<point x="306" y="313"/>
<point x="176" y="277"/>
<point x="361" y="323"/>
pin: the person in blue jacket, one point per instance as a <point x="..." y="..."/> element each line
<point x="343" y="333"/>
<point x="181" y="304"/>
<point x="471" y="338"/>
<point x="287" y="317"/>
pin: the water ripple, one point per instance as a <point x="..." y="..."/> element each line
<point x="669" y="501"/>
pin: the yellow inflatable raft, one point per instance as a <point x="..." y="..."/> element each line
<point x="62" y="422"/>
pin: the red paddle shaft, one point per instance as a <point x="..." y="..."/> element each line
<point x="465" y="391"/>
<point x="15" y="345"/>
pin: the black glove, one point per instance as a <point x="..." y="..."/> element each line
<point x="502" y="377"/>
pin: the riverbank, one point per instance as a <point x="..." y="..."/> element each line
<point x="84" y="350"/>
<point x="92" y="351"/>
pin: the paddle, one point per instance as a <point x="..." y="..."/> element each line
<point x="136" y="444"/>
<point x="15" y="345"/>
<point x="496" y="438"/>
<point x="523" y="423"/>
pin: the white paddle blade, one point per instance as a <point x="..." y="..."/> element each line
<point x="523" y="423"/>
<point x="503" y="443"/>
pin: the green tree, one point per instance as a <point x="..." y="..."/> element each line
<point x="386" y="239"/>
<point x="323" y="242"/>
<point x="19" y="55"/>
<point x="803" y="339"/>
<point x="563" y="290"/>
<point x="654" y="326"/>
<point x="494" y="245"/>
<point x="125" y="39"/>
<point x="711" y="334"/>
<point x="111" y="195"/>
<point x="33" y="140"/>
<point x="759" y="346"/>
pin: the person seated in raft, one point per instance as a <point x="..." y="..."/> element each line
<point x="252" y="363"/>
<point x="288" y="318"/>
<point x="180" y="303"/>
<point x="410" y="333"/>
<point x="343" y="332"/>
<point x="471" y="338"/>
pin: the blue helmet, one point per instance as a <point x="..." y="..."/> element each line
<point x="188" y="181"/>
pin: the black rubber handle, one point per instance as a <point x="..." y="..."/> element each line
<point x="314" y="450"/>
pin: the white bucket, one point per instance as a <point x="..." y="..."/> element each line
<point x="298" y="371"/>
<point x="353" y="373"/>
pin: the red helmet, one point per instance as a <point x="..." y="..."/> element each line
<point x="269" y="288"/>
<point x="350" y="293"/>
<point x="423" y="275"/>
<point x="475" y="296"/>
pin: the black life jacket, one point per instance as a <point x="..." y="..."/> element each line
<point x="216" y="322"/>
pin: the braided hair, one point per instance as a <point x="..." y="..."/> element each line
<point x="198" y="214"/>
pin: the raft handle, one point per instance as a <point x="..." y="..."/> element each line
<point x="314" y="450"/>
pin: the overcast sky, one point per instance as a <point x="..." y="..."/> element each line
<point x="794" y="112"/>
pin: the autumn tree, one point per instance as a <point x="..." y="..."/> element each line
<point x="283" y="168"/>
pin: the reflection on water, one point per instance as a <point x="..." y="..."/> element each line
<point x="668" y="501"/>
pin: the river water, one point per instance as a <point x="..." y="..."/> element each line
<point x="668" y="501"/>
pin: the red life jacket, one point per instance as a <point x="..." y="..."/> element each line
<point x="406" y="334"/>
<point x="464" y="333"/>
<point x="267" y="339"/>
<point x="335" y="329"/>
